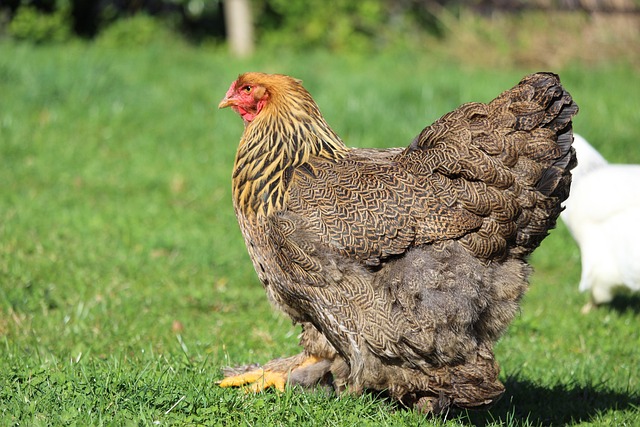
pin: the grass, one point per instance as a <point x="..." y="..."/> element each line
<point x="124" y="282"/>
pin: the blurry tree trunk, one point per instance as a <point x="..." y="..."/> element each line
<point x="237" y="17"/>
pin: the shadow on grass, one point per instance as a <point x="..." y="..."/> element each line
<point x="528" y="403"/>
<point x="626" y="302"/>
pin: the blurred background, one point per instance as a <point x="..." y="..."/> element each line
<point x="125" y="284"/>
<point x="483" y="32"/>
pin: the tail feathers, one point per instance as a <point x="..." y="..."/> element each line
<point x="535" y="120"/>
<point x="552" y="177"/>
<point x="507" y="162"/>
<point x="552" y="187"/>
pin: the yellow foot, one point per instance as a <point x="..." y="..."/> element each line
<point x="588" y="307"/>
<point x="260" y="379"/>
<point x="257" y="380"/>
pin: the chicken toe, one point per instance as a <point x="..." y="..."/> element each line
<point x="300" y="369"/>
<point x="257" y="380"/>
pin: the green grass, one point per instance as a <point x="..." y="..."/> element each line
<point x="124" y="282"/>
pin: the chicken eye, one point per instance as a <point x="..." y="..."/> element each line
<point x="247" y="88"/>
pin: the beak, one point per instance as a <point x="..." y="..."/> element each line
<point x="226" y="102"/>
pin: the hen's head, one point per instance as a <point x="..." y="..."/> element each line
<point x="252" y="92"/>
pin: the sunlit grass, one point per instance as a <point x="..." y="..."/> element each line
<point x="124" y="282"/>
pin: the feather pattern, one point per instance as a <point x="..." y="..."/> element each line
<point x="404" y="266"/>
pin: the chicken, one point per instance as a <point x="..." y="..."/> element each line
<point x="405" y="265"/>
<point x="602" y="214"/>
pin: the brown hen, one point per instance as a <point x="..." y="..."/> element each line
<point x="403" y="266"/>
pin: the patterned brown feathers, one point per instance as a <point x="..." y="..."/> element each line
<point x="404" y="266"/>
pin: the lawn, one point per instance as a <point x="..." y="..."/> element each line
<point x="124" y="282"/>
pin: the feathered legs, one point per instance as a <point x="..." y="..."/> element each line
<point x="302" y="369"/>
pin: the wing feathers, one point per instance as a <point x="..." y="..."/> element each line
<point x="483" y="173"/>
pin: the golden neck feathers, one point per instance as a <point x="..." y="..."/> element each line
<point x="286" y="134"/>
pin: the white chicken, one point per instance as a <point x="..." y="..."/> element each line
<point x="603" y="215"/>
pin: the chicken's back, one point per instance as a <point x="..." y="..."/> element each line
<point x="507" y="162"/>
